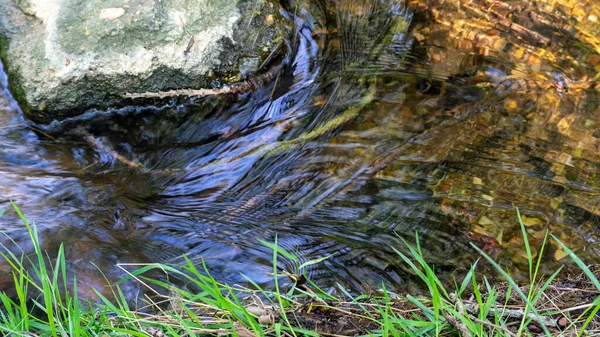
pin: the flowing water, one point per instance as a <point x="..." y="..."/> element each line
<point x="390" y="119"/>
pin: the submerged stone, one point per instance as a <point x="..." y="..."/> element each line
<point x="66" y="56"/>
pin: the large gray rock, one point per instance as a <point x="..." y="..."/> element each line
<point x="66" y="56"/>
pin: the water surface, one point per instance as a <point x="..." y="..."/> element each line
<point x="390" y="120"/>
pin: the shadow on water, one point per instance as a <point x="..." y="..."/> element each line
<point x="391" y="119"/>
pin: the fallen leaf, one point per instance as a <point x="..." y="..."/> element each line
<point x="559" y="254"/>
<point x="485" y="221"/>
<point x="532" y="221"/>
<point x="565" y="123"/>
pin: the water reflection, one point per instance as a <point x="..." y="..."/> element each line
<point x="389" y="121"/>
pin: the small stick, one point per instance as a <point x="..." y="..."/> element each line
<point x="90" y="165"/>
<point x="275" y="86"/>
<point x="473" y="309"/>
<point x="180" y="92"/>
<point x="477" y="320"/>
<point x="332" y="334"/>
<point x="42" y="132"/>
<point x="579" y="307"/>
<point x="242" y="87"/>
<point x="460" y="326"/>
<point x="579" y="290"/>
<point x="103" y="148"/>
<point x="276" y="49"/>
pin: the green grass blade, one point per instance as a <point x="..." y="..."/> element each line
<point x="527" y="247"/>
<point x="579" y="263"/>
<point x="515" y="287"/>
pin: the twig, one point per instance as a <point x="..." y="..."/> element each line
<point x="547" y="321"/>
<point x="121" y="266"/>
<point x="579" y="307"/>
<point x="246" y="86"/>
<point x="103" y="148"/>
<point x="460" y="326"/>
<point x="332" y="334"/>
<point x="275" y="86"/>
<point x="593" y="291"/>
<point x="268" y="58"/>
<point x="473" y="309"/>
<point x="477" y="320"/>
<point x="88" y="166"/>
<point x="42" y="132"/>
<point x="181" y="92"/>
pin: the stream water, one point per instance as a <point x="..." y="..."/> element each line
<point x="390" y="120"/>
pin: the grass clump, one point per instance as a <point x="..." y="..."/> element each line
<point x="45" y="303"/>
